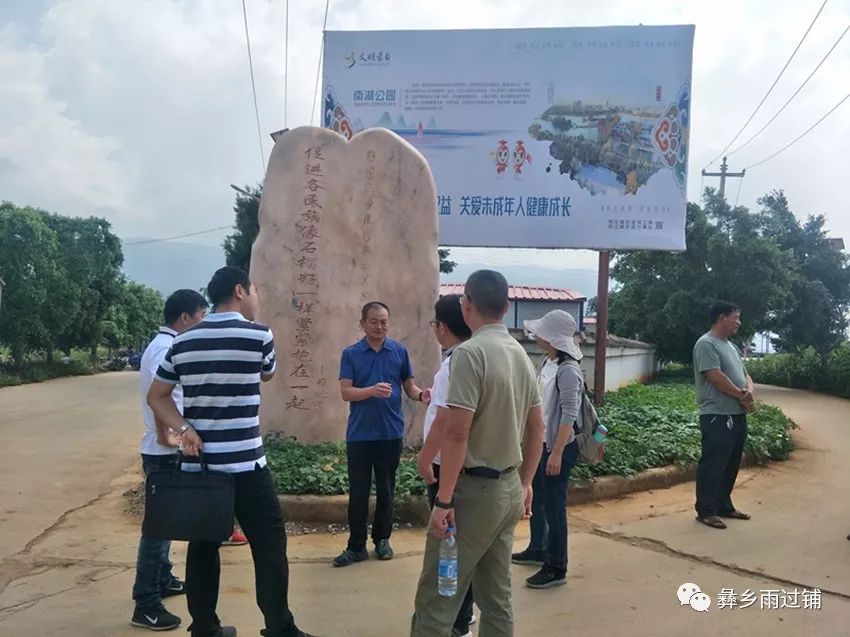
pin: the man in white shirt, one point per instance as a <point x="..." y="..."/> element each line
<point x="154" y="579"/>
<point x="450" y="330"/>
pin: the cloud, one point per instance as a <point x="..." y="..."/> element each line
<point x="50" y="158"/>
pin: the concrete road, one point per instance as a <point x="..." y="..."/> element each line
<point x="70" y="569"/>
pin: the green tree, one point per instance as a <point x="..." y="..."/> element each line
<point x="37" y="295"/>
<point x="663" y="297"/>
<point x="91" y="254"/>
<point x="237" y="246"/>
<point x="144" y="307"/>
<point x="816" y="312"/>
<point x="133" y="316"/>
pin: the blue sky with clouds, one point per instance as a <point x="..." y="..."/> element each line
<point x="142" y="111"/>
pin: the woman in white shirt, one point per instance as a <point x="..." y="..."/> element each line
<point x="451" y="331"/>
<point x="562" y="383"/>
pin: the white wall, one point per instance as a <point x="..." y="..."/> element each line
<point x="626" y="362"/>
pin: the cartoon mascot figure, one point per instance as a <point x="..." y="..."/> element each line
<point x="502" y="155"/>
<point x="521" y="157"/>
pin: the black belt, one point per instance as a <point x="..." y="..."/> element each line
<point x="487" y="472"/>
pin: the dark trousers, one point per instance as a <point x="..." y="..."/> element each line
<point x="464" y="615"/>
<point x="153" y="567"/>
<point x="259" y="515"/>
<point x="364" y="458"/>
<point x="723" y="439"/>
<point x="549" y="509"/>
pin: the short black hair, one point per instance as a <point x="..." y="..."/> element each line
<point x="720" y="309"/>
<point x="488" y="292"/>
<point x="447" y="311"/>
<point x="224" y="282"/>
<point x="188" y="301"/>
<point x="373" y="305"/>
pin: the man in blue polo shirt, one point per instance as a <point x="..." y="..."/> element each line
<point x="372" y="374"/>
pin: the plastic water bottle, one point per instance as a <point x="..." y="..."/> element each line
<point x="601" y="433"/>
<point x="447" y="570"/>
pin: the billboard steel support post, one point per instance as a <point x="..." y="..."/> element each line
<point x="601" y="327"/>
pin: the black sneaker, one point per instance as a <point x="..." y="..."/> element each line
<point x="383" y="550"/>
<point x="547" y="577"/>
<point x="461" y="632"/>
<point x="349" y="557"/>
<point x="156" y="618"/>
<point x="529" y="557"/>
<point x="300" y="633"/>
<point x="175" y="587"/>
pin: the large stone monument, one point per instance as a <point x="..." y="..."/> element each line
<point x="342" y="223"/>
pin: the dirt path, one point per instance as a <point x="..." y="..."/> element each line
<point x="68" y="562"/>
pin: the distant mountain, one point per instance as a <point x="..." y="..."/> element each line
<point x="578" y="280"/>
<point x="169" y="265"/>
<point x="400" y="123"/>
<point x="385" y="122"/>
<point x="432" y="124"/>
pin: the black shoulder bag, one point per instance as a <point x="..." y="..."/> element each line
<point x="193" y="506"/>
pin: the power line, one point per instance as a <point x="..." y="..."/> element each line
<point x="772" y="86"/>
<point x="254" y="90"/>
<point x="790" y="99"/>
<point x="319" y="63"/>
<point x="809" y="130"/>
<point x="740" y="186"/>
<point x="179" y="236"/>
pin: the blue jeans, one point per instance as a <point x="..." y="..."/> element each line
<point x="549" y="509"/>
<point x="153" y="568"/>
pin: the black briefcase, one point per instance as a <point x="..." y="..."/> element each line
<point x="190" y="506"/>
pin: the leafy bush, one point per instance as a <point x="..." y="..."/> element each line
<point x="806" y="370"/>
<point x="322" y="469"/>
<point x="649" y="426"/>
<point x="40" y="371"/>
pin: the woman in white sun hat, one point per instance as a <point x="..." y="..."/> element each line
<point x="561" y="382"/>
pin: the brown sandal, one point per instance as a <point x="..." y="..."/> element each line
<point x="713" y="521"/>
<point x="736" y="515"/>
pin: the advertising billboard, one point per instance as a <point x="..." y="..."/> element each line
<point x="545" y="138"/>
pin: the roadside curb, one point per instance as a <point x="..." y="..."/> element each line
<point x="333" y="509"/>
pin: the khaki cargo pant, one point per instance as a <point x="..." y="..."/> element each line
<point x="486" y="514"/>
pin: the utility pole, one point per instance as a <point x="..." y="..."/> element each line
<point x="723" y="174"/>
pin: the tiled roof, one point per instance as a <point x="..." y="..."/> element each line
<point x="523" y="293"/>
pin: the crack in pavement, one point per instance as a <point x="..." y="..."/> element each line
<point x="99" y="571"/>
<point x="12" y="565"/>
<point x="658" y="546"/>
<point x="46" y="532"/>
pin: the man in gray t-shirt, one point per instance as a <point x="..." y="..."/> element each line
<point x="725" y="396"/>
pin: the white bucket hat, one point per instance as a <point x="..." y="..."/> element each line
<point x="558" y="327"/>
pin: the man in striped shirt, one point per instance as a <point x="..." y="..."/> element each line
<point x="220" y="363"/>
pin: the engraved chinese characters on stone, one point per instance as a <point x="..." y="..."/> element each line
<point x="342" y="223"/>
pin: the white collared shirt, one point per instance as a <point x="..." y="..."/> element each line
<point x="151" y="359"/>
<point x="439" y="396"/>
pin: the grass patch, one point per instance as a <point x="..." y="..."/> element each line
<point x="649" y="426"/>
<point x="40" y="371"/>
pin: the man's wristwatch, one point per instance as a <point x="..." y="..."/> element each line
<point x="443" y="505"/>
<point x="184" y="428"/>
<point x="420" y="395"/>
